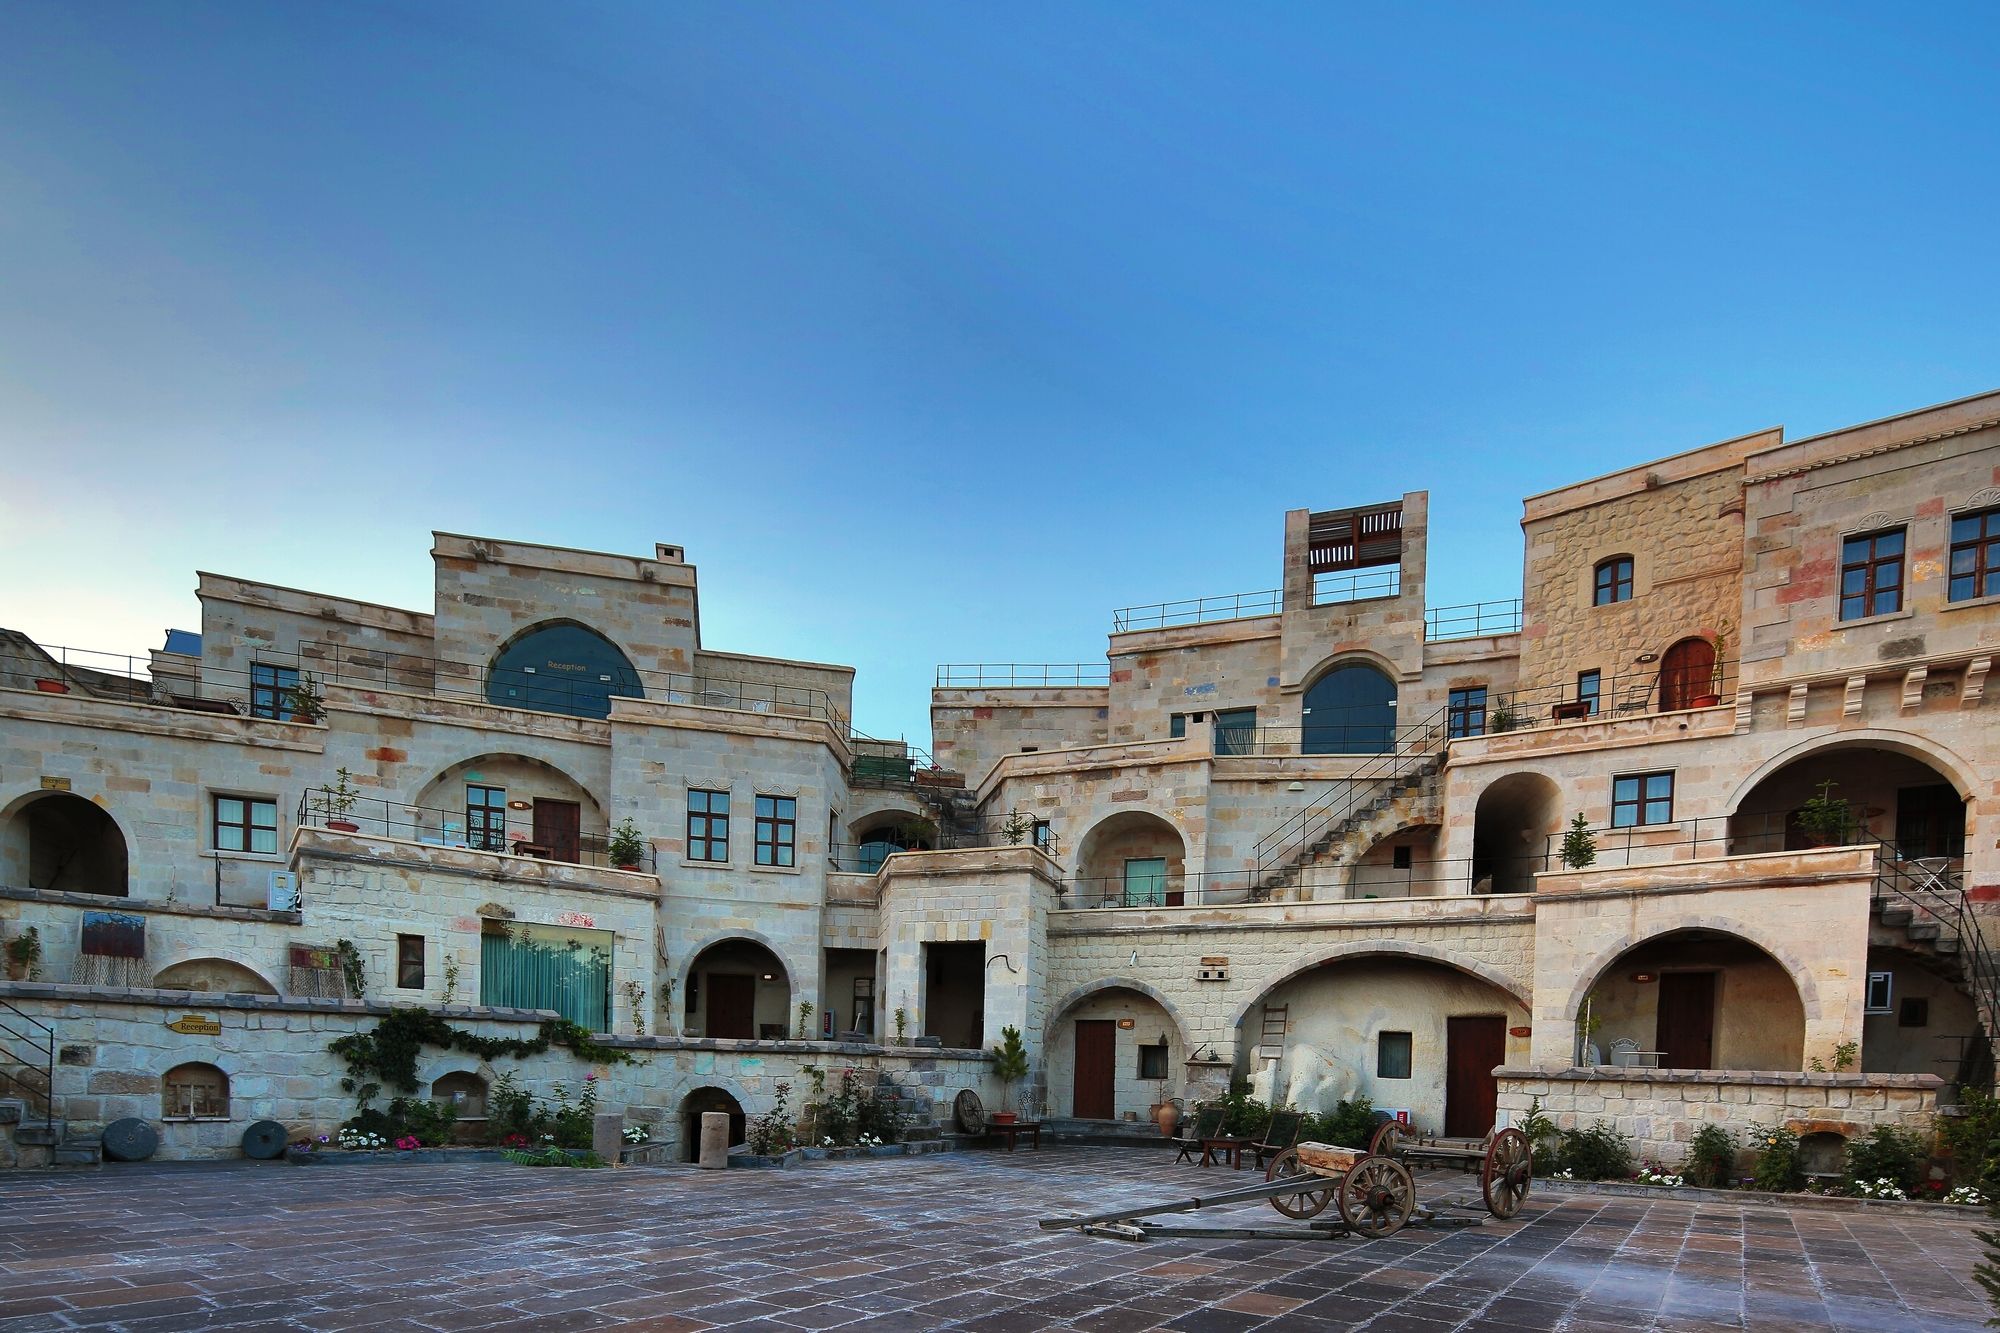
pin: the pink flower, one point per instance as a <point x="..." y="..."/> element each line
<point x="590" y="1078"/>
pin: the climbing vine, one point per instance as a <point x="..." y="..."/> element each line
<point x="388" y="1055"/>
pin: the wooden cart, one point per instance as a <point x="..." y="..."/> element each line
<point x="1504" y="1159"/>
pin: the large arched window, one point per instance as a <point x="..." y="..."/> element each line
<point x="1349" y="710"/>
<point x="562" y="668"/>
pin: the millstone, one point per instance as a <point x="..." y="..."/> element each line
<point x="264" y="1140"/>
<point x="130" y="1140"/>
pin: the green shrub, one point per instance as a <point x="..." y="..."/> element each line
<point x="1350" y="1124"/>
<point x="1778" y="1164"/>
<point x="1597" y="1153"/>
<point x="1544" y="1138"/>
<point x="1887" y="1153"/>
<point x="1245" y="1114"/>
<point x="1711" y="1158"/>
<point x="1973" y="1138"/>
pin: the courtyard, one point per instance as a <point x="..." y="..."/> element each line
<point x="918" y="1243"/>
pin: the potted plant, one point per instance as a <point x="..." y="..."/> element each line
<point x="627" y="848"/>
<point x="339" y="800"/>
<point x="902" y="1025"/>
<point x="1826" y="820"/>
<point x="51" y="686"/>
<point x="1579" y="845"/>
<point x="1501" y="720"/>
<point x="304" y="702"/>
<point x="24" y="955"/>
<point x="1010" y="1066"/>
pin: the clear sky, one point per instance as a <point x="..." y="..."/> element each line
<point x="936" y="331"/>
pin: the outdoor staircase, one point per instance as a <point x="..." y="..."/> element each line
<point x="1921" y="908"/>
<point x="1395" y="790"/>
<point x="921" y="1131"/>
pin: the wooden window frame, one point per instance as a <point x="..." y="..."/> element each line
<point x="1464" y="715"/>
<point x="409" y="956"/>
<point x="776" y="835"/>
<point x="480" y="835"/>
<point x="1871" y="565"/>
<point x="268" y="687"/>
<point x="210" y="1103"/>
<point x="1983" y="548"/>
<point x="1409" y="1053"/>
<point x="1594" y="696"/>
<point x="1643" y="798"/>
<point x="1609" y="591"/>
<point x="244" y="827"/>
<point x="708" y="827"/>
<point x="1161" y="1052"/>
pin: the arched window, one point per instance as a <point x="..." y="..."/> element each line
<point x="1349" y="710"/>
<point x="562" y="668"/>
<point x="194" y="1092"/>
<point x="1613" y="581"/>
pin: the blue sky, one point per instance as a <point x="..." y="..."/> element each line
<point x="936" y="331"/>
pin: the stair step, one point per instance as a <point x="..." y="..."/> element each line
<point x="1923" y="930"/>
<point x="46" y="1135"/>
<point x="1897" y="916"/>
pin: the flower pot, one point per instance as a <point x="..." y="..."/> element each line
<point x="1705" y="701"/>
<point x="1001" y="1118"/>
<point x="627" y="865"/>
<point x="343" y="826"/>
<point x="1168" y="1117"/>
<point x="51" y="687"/>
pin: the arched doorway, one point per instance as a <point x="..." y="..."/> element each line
<point x="1855" y="792"/>
<point x="886" y="834"/>
<point x="1511" y="826"/>
<point x="511" y="803"/>
<point x="59" y="841"/>
<point x="562" y="667"/>
<point x="1687" y="673"/>
<point x="1114" y="1050"/>
<point x="1694" y="999"/>
<point x="709" y="1099"/>
<point x="1131" y="859"/>
<point x="736" y="990"/>
<point x="1410" y="1034"/>
<point x="1349" y="710"/>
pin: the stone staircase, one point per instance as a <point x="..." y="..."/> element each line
<point x="921" y="1131"/>
<point x="29" y="1139"/>
<point x="1400" y="800"/>
<point x="1924" y="912"/>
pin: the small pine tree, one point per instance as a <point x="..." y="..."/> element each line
<point x="1579" y="848"/>
<point x="1010" y="1063"/>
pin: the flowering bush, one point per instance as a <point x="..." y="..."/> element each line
<point x="638" y="1134"/>
<point x="360" y="1140"/>
<point x="408" y="1143"/>
<point x="1880" y="1188"/>
<point x="1968" y="1195"/>
<point x="1564" y="1174"/>
<point x="1778" y="1165"/>
<point x="1652" y="1174"/>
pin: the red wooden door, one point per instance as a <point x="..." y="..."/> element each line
<point x="1096" y="1069"/>
<point x="559" y="828"/>
<point x="1473" y="1048"/>
<point x="1686" y="1029"/>
<point x="732" y="1006"/>
<point x="1686" y="673"/>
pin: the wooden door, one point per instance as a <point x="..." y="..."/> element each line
<point x="732" y="1006"/>
<point x="1686" y="1029"/>
<point x="1096" y="1069"/>
<point x="559" y="828"/>
<point x="1686" y="673"/>
<point x="1473" y="1049"/>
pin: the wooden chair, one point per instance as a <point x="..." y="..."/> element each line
<point x="1206" y="1123"/>
<point x="1280" y="1134"/>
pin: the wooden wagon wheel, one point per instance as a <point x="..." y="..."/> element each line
<point x="1306" y="1203"/>
<point x="971" y="1116"/>
<point x="1508" y="1171"/>
<point x="1376" y="1197"/>
<point x="1388" y="1140"/>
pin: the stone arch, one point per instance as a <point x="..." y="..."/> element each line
<point x="1350" y="657"/>
<point x="1512" y="820"/>
<point x="1415" y="950"/>
<point x="94" y="821"/>
<point x="710" y="1095"/>
<point x="1089" y="988"/>
<point x="1920" y="748"/>
<point x="208" y="969"/>
<point x="1592" y="970"/>
<point x="1135" y="831"/>
<point x="792" y="978"/>
<point x="1366" y="722"/>
<point x="196" y="1090"/>
<point x="518" y="676"/>
<point x="439" y="802"/>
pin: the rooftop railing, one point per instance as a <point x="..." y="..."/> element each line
<point x="506" y="832"/>
<point x="1198" y="610"/>
<point x="1020" y="675"/>
<point x="1472" y="620"/>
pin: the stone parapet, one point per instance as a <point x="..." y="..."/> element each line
<point x="97" y="902"/>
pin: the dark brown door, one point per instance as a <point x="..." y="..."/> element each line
<point x="1473" y="1049"/>
<point x="1686" y="673"/>
<point x="1930" y="821"/>
<point x="1686" y="1032"/>
<point x="1096" y="1062"/>
<point x="732" y="1006"/>
<point x="558" y="829"/>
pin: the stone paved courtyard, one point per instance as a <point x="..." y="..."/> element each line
<point x="916" y="1243"/>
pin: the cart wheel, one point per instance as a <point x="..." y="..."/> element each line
<point x="1306" y="1203"/>
<point x="1388" y="1140"/>
<point x="1508" y="1171"/>
<point x="1376" y="1197"/>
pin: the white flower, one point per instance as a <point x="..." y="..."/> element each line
<point x="1966" y="1194"/>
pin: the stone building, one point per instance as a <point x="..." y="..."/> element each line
<point x="1309" y="837"/>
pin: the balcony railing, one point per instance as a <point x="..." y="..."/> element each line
<point x="1198" y="610"/>
<point x="1021" y="675"/>
<point x="1359" y="585"/>
<point x="503" y="832"/>
<point x="1472" y="620"/>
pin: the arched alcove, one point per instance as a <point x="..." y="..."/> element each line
<point x="1696" y="999"/>
<point x="500" y="802"/>
<point x="736" y="989"/>
<point x="218" y="975"/>
<point x="561" y="666"/>
<point x="1131" y="859"/>
<point x="58" y="840"/>
<point x="1511" y="826"/>
<point x="709" y="1099"/>
<point x="1113" y="1050"/>
<point x="1891" y="795"/>
<point x="194" y="1091"/>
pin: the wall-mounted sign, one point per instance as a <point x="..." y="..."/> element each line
<point x="1643" y="977"/>
<point x="55" y="784"/>
<point x="1519" y="1032"/>
<point x="196" y="1025"/>
<point x="581" y="919"/>
<point x="1127" y="1024"/>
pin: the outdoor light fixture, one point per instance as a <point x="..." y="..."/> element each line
<point x="1296" y="786"/>
<point x="769" y="977"/>
<point x="1135" y="958"/>
<point x="1647" y="657"/>
<point x="519" y="805"/>
<point x="1643" y="977"/>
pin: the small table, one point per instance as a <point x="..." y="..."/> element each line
<point x="1228" y="1147"/>
<point x="1011" y="1132"/>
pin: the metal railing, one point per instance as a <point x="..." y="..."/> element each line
<point x="1218" y="888"/>
<point x="1409" y="749"/>
<point x="1359" y="585"/>
<point x="453" y="827"/>
<point x="31" y="1050"/>
<point x="1198" y="610"/>
<point x="1020" y="675"/>
<point x="1472" y="620"/>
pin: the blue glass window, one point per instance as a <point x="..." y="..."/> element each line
<point x="1349" y="710"/>
<point x="562" y="669"/>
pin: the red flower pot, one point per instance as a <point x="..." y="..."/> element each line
<point x="51" y="687"/>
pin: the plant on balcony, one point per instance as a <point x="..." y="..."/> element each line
<point x="1500" y="720"/>
<point x="1825" y="819"/>
<point x="337" y="801"/>
<point x="1579" y="847"/>
<point x="24" y="955"/>
<point x="1010" y="1066"/>
<point x="304" y="702"/>
<point x="1018" y="827"/>
<point x="627" y="847"/>
<point x="805" y="1019"/>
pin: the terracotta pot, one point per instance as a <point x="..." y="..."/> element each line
<point x="1001" y="1118"/>
<point x="628" y="865"/>
<point x="1705" y="701"/>
<point x="343" y="825"/>
<point x="51" y="687"/>
<point x="1168" y="1117"/>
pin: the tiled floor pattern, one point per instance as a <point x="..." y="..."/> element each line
<point x="910" y="1244"/>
